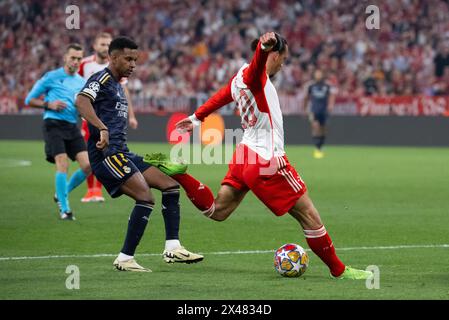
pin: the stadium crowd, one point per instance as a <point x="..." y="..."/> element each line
<point x="190" y="46"/>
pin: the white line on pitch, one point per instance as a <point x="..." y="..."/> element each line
<point x="12" y="163"/>
<point x="226" y="252"/>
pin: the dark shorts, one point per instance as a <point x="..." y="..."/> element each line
<point x="114" y="170"/>
<point x="321" y="117"/>
<point x="62" y="137"/>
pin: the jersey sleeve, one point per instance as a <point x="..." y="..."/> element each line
<point x="255" y="75"/>
<point x="40" y="87"/>
<point x="221" y="98"/>
<point x="124" y="81"/>
<point x="81" y="69"/>
<point x="91" y="89"/>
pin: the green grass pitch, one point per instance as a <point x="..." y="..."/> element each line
<point x="382" y="206"/>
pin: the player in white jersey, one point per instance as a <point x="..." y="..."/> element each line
<point x="259" y="163"/>
<point x="90" y="65"/>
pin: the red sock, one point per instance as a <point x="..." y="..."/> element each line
<point x="200" y="194"/>
<point x="90" y="182"/>
<point x="98" y="184"/>
<point x="321" y="244"/>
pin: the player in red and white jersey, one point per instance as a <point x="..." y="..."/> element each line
<point x="259" y="163"/>
<point x="90" y="65"/>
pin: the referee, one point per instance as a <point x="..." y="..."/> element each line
<point x="55" y="93"/>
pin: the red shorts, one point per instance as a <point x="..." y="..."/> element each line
<point x="276" y="183"/>
<point x="85" y="130"/>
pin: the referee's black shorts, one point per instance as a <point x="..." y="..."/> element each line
<point x="62" y="137"/>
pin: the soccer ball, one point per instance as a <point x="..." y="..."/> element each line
<point x="291" y="260"/>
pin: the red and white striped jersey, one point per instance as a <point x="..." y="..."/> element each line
<point x="89" y="66"/>
<point x="259" y="107"/>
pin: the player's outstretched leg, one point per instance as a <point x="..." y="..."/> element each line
<point x="137" y="223"/>
<point x="75" y="180"/>
<point x="199" y="193"/>
<point x="318" y="136"/>
<point x="318" y="141"/>
<point x="136" y="188"/>
<point x="228" y="199"/>
<point x="97" y="193"/>
<point x="61" y="197"/>
<point x="89" y="196"/>
<point x="320" y="242"/>
<point x="90" y="180"/>
<point x="174" y="251"/>
<point x="161" y="161"/>
<point x="61" y="194"/>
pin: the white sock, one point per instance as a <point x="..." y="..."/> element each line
<point x="172" y="244"/>
<point x="124" y="257"/>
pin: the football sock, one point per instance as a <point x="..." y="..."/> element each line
<point x="321" y="244"/>
<point x="200" y="194"/>
<point x="136" y="226"/>
<point x="317" y="142"/>
<point x="172" y="244"/>
<point x="90" y="182"/>
<point x="124" y="257"/>
<point x="321" y="141"/>
<point x="170" y="211"/>
<point x="98" y="184"/>
<point x="61" y="190"/>
<point x="75" y="180"/>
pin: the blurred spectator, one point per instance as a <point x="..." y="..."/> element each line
<point x="441" y="60"/>
<point x="190" y="47"/>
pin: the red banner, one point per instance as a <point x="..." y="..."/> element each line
<point x="290" y="105"/>
<point x="375" y="105"/>
<point x="403" y="106"/>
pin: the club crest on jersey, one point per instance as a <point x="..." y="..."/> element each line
<point x="95" y="86"/>
<point x="126" y="169"/>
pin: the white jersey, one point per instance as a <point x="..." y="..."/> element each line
<point x="261" y="117"/>
<point x="258" y="104"/>
<point x="89" y="66"/>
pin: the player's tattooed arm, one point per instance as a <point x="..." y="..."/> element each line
<point x="87" y="111"/>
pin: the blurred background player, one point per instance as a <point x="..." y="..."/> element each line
<point x="90" y="65"/>
<point x="259" y="163"/>
<point x="103" y="104"/>
<point x="322" y="99"/>
<point x="62" y="136"/>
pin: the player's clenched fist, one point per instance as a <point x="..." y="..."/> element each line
<point x="268" y="41"/>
